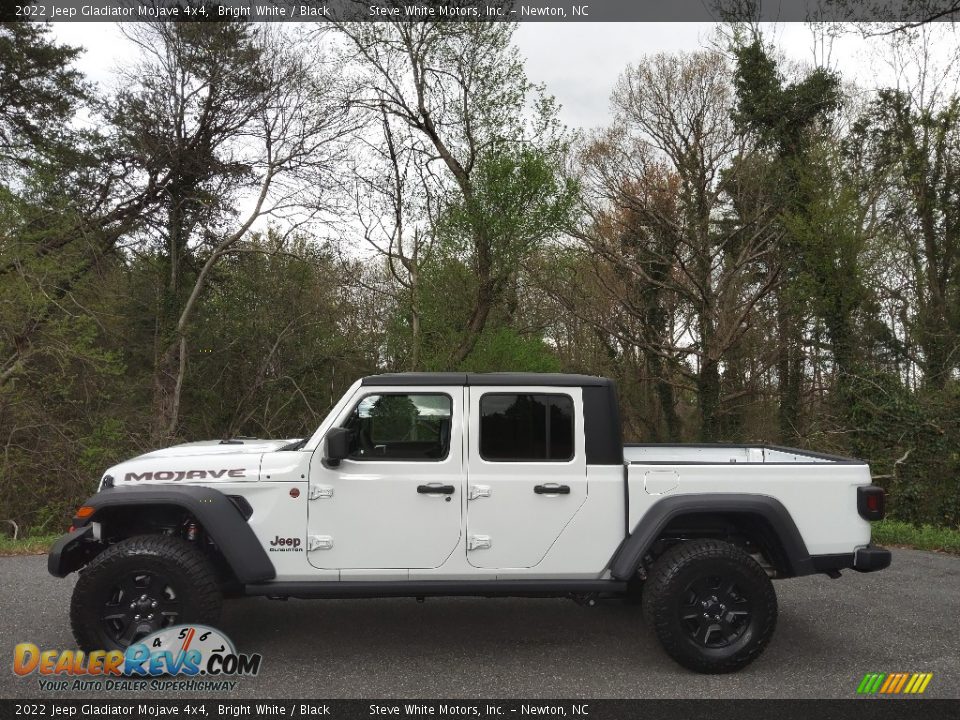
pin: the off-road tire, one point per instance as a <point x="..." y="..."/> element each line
<point x="190" y="592"/>
<point x="678" y="588"/>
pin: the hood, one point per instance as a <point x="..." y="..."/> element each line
<point x="206" y="448"/>
<point x="196" y="462"/>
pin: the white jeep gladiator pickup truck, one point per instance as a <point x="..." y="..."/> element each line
<point x="435" y="484"/>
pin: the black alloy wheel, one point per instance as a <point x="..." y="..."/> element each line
<point x="711" y="605"/>
<point x="139" y="603"/>
<point x="140" y="585"/>
<point x="715" y="611"/>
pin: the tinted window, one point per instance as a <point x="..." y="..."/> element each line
<point x="400" y="427"/>
<point x="526" y="427"/>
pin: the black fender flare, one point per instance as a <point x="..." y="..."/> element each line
<point x="628" y="557"/>
<point x="219" y="516"/>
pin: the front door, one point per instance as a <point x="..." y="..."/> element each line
<point x="527" y="472"/>
<point x="395" y="502"/>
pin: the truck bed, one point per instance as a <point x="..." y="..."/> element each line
<point x="650" y="453"/>
<point x="819" y="491"/>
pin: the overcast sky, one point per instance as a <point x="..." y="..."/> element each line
<point x="580" y="62"/>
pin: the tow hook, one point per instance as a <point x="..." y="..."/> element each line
<point x="585" y="599"/>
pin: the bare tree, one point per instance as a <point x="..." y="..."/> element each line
<point x="462" y="90"/>
<point x="396" y="201"/>
<point x="246" y="125"/>
<point x="658" y="217"/>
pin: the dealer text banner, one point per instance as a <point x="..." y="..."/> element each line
<point x="479" y="10"/>
<point x="131" y="709"/>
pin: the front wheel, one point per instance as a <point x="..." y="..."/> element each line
<point x="141" y="585"/>
<point x="711" y="605"/>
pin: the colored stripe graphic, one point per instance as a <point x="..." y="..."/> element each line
<point x="870" y="683"/>
<point x="919" y="683"/>
<point x="894" y="683"/>
<point x="903" y="681"/>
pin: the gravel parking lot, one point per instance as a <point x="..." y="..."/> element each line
<point x="830" y="633"/>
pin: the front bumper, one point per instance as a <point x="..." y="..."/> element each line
<point x="72" y="551"/>
<point x="866" y="559"/>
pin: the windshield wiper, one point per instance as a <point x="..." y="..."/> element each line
<point x="295" y="445"/>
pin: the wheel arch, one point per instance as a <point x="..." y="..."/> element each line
<point x="764" y="519"/>
<point x="223" y="519"/>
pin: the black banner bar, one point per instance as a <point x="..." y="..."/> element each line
<point x="148" y="709"/>
<point x="896" y="11"/>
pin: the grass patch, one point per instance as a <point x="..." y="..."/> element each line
<point x="923" y="537"/>
<point x="36" y="545"/>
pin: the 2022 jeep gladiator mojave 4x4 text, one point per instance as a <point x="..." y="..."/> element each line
<point x="470" y="484"/>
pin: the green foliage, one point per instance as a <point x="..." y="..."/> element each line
<point x="32" y="545"/>
<point x="275" y="320"/>
<point x="920" y="537"/>
<point x="103" y="233"/>
<point x="915" y="151"/>
<point x="99" y="449"/>
<point x="911" y="440"/>
<point x="826" y="236"/>
<point x="446" y="292"/>
<point x="503" y="349"/>
<point x="39" y="93"/>
<point x="519" y="199"/>
<point x="781" y="113"/>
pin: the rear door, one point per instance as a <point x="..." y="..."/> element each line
<point x="527" y="474"/>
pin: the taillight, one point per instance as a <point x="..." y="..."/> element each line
<point x="871" y="502"/>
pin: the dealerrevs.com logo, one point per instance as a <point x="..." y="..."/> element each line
<point x="180" y="657"/>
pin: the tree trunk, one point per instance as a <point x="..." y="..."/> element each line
<point x="415" y="321"/>
<point x="708" y="400"/>
<point x="788" y="372"/>
<point x="167" y="386"/>
<point x="486" y="295"/>
<point x="666" y="397"/>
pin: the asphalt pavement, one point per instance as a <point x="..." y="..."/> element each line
<point x="830" y="633"/>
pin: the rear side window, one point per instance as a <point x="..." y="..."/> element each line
<point x="400" y="427"/>
<point x="525" y="427"/>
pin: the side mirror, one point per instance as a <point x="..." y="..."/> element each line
<point x="338" y="446"/>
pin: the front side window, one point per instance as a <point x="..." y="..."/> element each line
<point x="524" y="427"/>
<point x="400" y="427"/>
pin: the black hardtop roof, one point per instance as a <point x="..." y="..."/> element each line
<point x="497" y="378"/>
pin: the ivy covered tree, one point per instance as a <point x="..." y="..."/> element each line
<point x="788" y="122"/>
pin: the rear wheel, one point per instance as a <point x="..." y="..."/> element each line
<point x="140" y="585"/>
<point x="711" y="605"/>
